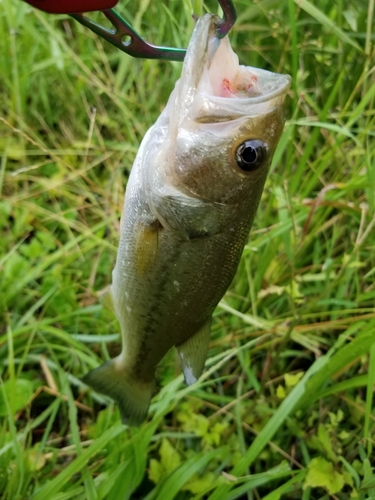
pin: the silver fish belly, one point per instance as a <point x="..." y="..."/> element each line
<point x="190" y="202"/>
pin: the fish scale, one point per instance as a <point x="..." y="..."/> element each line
<point x="190" y="202"/>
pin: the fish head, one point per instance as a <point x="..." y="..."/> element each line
<point x="225" y="122"/>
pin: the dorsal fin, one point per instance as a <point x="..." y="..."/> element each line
<point x="193" y="353"/>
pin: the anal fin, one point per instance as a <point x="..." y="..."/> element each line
<point x="193" y="353"/>
<point x="107" y="300"/>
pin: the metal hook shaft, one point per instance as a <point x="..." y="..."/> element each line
<point x="229" y="18"/>
<point x="136" y="46"/>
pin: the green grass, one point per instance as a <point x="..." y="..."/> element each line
<point x="285" y="408"/>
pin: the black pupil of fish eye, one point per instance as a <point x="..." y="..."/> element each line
<point x="250" y="154"/>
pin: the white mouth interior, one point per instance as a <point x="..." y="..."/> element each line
<point x="228" y="78"/>
<point x="214" y="87"/>
<point x="227" y="90"/>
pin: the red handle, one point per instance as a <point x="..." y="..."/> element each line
<point x="71" y="6"/>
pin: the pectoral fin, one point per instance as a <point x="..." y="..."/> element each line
<point x="146" y="246"/>
<point x="193" y="353"/>
<point x="187" y="216"/>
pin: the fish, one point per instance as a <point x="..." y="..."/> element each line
<point x="190" y="202"/>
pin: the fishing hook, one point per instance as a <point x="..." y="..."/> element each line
<point x="123" y="35"/>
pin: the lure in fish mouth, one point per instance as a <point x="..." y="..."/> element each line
<point x="190" y="202"/>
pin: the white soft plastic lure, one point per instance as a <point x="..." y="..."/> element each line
<point x="190" y="202"/>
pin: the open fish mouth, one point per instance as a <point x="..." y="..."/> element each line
<point x="215" y="87"/>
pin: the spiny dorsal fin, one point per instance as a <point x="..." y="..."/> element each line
<point x="193" y="353"/>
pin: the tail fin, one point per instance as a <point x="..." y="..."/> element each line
<point x="133" y="397"/>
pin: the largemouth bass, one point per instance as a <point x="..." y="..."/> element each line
<point x="190" y="202"/>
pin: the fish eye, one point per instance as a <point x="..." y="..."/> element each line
<point x="250" y="155"/>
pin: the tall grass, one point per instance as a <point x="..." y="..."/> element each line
<point x="285" y="406"/>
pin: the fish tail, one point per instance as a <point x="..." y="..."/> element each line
<point x="132" y="396"/>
